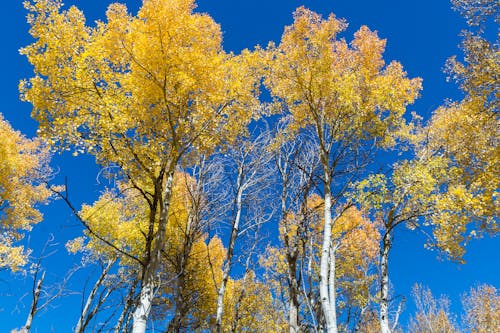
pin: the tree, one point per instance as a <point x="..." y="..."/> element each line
<point x="351" y="101"/>
<point x="433" y="315"/>
<point x="297" y="164"/>
<point x="482" y="309"/>
<point x="138" y="92"/>
<point x="467" y="131"/>
<point x="43" y="295"/>
<point x="248" y="177"/>
<point x="24" y="172"/>
<point x="186" y="291"/>
<point x="252" y="307"/>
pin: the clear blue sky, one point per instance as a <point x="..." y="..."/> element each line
<point x="420" y="34"/>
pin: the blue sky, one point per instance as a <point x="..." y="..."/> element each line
<point x="420" y="34"/>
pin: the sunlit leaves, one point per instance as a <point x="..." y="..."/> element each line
<point x="344" y="91"/>
<point x="23" y="172"/>
<point x="136" y="91"/>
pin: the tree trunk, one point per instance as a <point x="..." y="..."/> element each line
<point x="384" y="285"/>
<point x="143" y="309"/>
<point x="34" y="305"/>
<point x="293" y="289"/>
<point x="176" y="323"/>
<point x="332" y="287"/>
<point x="83" y="320"/>
<point x="327" y="258"/>
<point x="123" y="320"/>
<point x="294" y="316"/>
<point x="230" y="252"/>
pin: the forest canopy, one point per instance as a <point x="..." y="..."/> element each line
<point x="264" y="190"/>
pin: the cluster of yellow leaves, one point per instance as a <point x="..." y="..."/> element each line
<point x="467" y="133"/>
<point x="250" y="306"/>
<point x="344" y="91"/>
<point x="23" y="169"/>
<point x="428" y="190"/>
<point x="121" y="217"/>
<point x="197" y="288"/>
<point x="137" y="90"/>
<point x="357" y="253"/>
<point x="468" y="137"/>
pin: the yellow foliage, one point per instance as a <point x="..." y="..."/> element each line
<point x="343" y="91"/>
<point x="137" y="91"/>
<point x="355" y="238"/>
<point x="249" y="306"/>
<point x="23" y="170"/>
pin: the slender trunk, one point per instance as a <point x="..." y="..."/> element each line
<point x="294" y="316"/>
<point x="332" y="287"/>
<point x="384" y="284"/>
<point x="80" y="326"/>
<point x="237" y="305"/>
<point x="176" y="323"/>
<point x="141" y="313"/>
<point x="230" y="251"/>
<point x="34" y="305"/>
<point x="181" y="303"/>
<point x="293" y="289"/>
<point x="123" y="320"/>
<point x="325" y="283"/>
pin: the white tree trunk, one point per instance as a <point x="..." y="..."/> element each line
<point x="384" y="285"/>
<point x="80" y="326"/>
<point x="293" y="317"/>
<point x="326" y="284"/>
<point x="143" y="309"/>
<point x="141" y="313"/>
<point x="332" y="289"/>
<point x="34" y="305"/>
<point x="230" y="252"/>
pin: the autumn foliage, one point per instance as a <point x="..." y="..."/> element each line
<point x="201" y="169"/>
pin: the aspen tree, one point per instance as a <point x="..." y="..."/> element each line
<point x="138" y="92"/>
<point x="349" y="97"/>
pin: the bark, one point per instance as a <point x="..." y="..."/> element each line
<point x="384" y="285"/>
<point x="294" y="315"/>
<point x="124" y="318"/>
<point x="34" y="305"/>
<point x="143" y="309"/>
<point x="291" y="249"/>
<point x="84" y="317"/>
<point x="327" y="258"/>
<point x="230" y="252"/>
<point x="332" y="288"/>
<point x="181" y="299"/>
<point x="181" y="310"/>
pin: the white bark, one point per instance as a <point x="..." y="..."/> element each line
<point x="293" y="317"/>
<point x="80" y="326"/>
<point x="143" y="309"/>
<point x="34" y="305"/>
<point x="327" y="257"/>
<point x="230" y="252"/>
<point x="331" y="289"/>
<point x="384" y="285"/>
